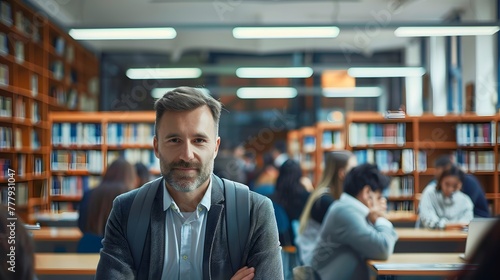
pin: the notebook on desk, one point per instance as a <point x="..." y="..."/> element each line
<point x="477" y="228"/>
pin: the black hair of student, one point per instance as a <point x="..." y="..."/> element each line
<point x="365" y="175"/>
<point x="452" y="171"/>
<point x="24" y="261"/>
<point x="183" y="99"/>
<point x="443" y="161"/>
<point x="288" y="184"/>
<point x="142" y="173"/>
<point x="280" y="146"/>
<point x="484" y="261"/>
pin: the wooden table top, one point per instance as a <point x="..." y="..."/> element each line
<point x="401" y="216"/>
<point x="418" y="264"/>
<point x="66" y="263"/>
<point x="417" y="235"/>
<point x="57" y="234"/>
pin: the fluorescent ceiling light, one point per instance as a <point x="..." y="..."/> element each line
<point x="274" y="72"/>
<point x="428" y="31"/>
<point x="352" y="92"/>
<point x="285" y="32"/>
<point x="385" y="72"/>
<point x="159" y="92"/>
<point x="123" y="33"/>
<point x="266" y="92"/>
<point x="163" y="73"/>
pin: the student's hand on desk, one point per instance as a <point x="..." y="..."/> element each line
<point x="245" y="273"/>
<point x="459" y="226"/>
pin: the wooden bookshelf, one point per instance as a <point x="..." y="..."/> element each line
<point x="84" y="144"/>
<point x="308" y="146"/>
<point x="26" y="53"/>
<point x="406" y="149"/>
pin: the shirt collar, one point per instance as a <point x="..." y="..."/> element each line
<point x="358" y="205"/>
<point x="206" y="201"/>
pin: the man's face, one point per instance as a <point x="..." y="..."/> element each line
<point x="186" y="146"/>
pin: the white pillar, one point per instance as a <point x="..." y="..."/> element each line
<point x="413" y="85"/>
<point x="486" y="57"/>
<point x="438" y="76"/>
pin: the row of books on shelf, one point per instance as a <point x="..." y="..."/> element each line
<point x="22" y="22"/>
<point x="19" y="49"/>
<point x="62" y="49"/>
<point x="90" y="160"/>
<point x="5" y="137"/>
<point x="21" y="165"/>
<point x="472" y="161"/>
<point x="63" y="207"/>
<point x="309" y="144"/>
<point x="7" y="142"/>
<point x="400" y="206"/>
<point x="21" y="194"/>
<point x="5" y="106"/>
<point x="71" y="185"/>
<point x="332" y="139"/>
<point x="87" y="103"/>
<point x="68" y="98"/>
<point x="402" y="186"/>
<point x="5" y="167"/>
<point x="130" y="133"/>
<point x="363" y="134"/>
<point x="4" y="75"/>
<point x="68" y="134"/>
<point x="393" y="160"/>
<point x="145" y="156"/>
<point x="4" y="80"/>
<point x="477" y="133"/>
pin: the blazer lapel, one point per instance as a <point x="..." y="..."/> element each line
<point x="157" y="255"/>
<point x="213" y="220"/>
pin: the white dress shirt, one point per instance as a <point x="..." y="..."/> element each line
<point x="184" y="238"/>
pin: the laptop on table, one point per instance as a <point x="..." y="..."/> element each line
<point x="478" y="227"/>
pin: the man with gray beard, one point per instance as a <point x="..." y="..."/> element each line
<point x="186" y="237"/>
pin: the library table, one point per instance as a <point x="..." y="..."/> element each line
<point x="402" y="218"/>
<point x="424" y="235"/>
<point x="57" y="234"/>
<point x="56" y="239"/>
<point x="412" y="240"/>
<point x="65" y="264"/>
<point x="417" y="264"/>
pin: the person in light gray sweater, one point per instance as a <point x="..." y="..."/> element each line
<point x="354" y="228"/>
<point x="443" y="205"/>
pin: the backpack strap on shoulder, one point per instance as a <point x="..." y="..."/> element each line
<point x="138" y="219"/>
<point x="237" y="199"/>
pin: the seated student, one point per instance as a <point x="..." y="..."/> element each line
<point x="96" y="204"/>
<point x="484" y="261"/>
<point x="23" y="267"/>
<point x="290" y="194"/>
<point x="338" y="163"/>
<point x="354" y="228"/>
<point x="470" y="186"/>
<point x="445" y="206"/>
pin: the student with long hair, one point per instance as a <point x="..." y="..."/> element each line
<point x="290" y="194"/>
<point x="445" y="206"/>
<point x="337" y="164"/>
<point x="120" y="177"/>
